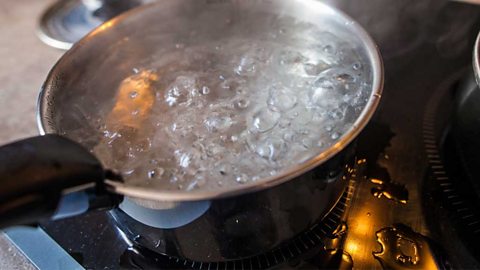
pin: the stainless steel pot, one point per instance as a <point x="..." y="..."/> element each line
<point x="204" y="225"/>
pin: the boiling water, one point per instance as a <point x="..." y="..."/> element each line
<point x="209" y="115"/>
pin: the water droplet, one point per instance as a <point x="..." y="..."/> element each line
<point x="135" y="112"/>
<point x="179" y="45"/>
<point x="390" y="190"/>
<point x="158" y="243"/>
<point x="335" y="135"/>
<point x="356" y="66"/>
<point x="340" y="230"/>
<point x="402" y="249"/>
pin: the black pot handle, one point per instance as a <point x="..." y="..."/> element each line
<point x="42" y="176"/>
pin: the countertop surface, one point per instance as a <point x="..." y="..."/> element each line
<point x="25" y="62"/>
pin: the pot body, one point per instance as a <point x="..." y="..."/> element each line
<point x="248" y="224"/>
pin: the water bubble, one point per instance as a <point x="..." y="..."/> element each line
<point x="281" y="99"/>
<point x="308" y="142"/>
<point x="264" y="120"/>
<point x="242" y="103"/>
<point x="328" y="49"/>
<point x="313" y="69"/>
<point x="356" y="66"/>
<point x="216" y="123"/>
<point x="284" y="122"/>
<point x="214" y="149"/>
<point x="181" y="90"/>
<point x="246" y="66"/>
<point x="289" y="57"/>
<point x="205" y="90"/>
<point x="322" y="92"/>
<point x="335" y="135"/>
<point x="289" y="136"/>
<point x="228" y="87"/>
<point x="241" y="178"/>
<point x="224" y="169"/>
<point x="336" y="114"/>
<point x="271" y="148"/>
<point x="198" y="182"/>
<point x="155" y="173"/>
<point x="299" y="116"/>
<point x="133" y="94"/>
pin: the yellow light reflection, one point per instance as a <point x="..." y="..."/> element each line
<point x="104" y="26"/>
<point x="134" y="100"/>
<point x="351" y="246"/>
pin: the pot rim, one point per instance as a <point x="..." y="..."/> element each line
<point x="294" y="171"/>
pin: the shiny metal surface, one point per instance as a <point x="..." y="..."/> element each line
<point x="140" y="25"/>
<point x="476" y="59"/>
<point x="67" y="21"/>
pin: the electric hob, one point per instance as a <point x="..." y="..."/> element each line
<point x="407" y="205"/>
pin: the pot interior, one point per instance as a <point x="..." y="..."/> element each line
<point x="127" y="76"/>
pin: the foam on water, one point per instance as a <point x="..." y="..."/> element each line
<point x="229" y="112"/>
